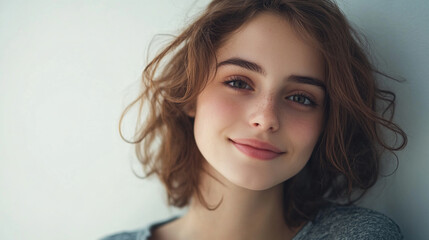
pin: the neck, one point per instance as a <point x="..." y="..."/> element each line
<point x="242" y="213"/>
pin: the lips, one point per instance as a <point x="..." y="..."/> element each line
<point x="256" y="149"/>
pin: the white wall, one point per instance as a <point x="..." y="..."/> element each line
<point x="68" y="68"/>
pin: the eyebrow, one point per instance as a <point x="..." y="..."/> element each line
<point x="256" y="68"/>
<point x="244" y="64"/>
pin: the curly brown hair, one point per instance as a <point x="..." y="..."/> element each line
<point x="346" y="158"/>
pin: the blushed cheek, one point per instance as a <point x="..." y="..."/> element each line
<point x="306" y="131"/>
<point x="218" y="108"/>
<point x="215" y="112"/>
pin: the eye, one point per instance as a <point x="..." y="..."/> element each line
<point x="238" y="83"/>
<point x="302" y="99"/>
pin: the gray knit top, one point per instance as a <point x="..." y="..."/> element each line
<point x="333" y="222"/>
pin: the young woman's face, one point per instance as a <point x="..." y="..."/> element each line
<point x="259" y="118"/>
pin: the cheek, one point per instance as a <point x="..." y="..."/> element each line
<point x="305" y="131"/>
<point x="214" y="113"/>
<point x="214" y="109"/>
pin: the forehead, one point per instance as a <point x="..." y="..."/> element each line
<point x="271" y="41"/>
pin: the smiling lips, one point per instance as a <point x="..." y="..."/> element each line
<point x="256" y="149"/>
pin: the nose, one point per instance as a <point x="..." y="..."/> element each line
<point x="265" y="115"/>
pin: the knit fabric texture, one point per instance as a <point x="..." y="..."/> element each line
<point x="331" y="223"/>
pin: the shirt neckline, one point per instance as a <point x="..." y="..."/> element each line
<point x="147" y="231"/>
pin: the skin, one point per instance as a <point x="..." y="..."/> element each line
<point x="270" y="106"/>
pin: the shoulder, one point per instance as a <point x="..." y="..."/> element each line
<point x="140" y="234"/>
<point x="345" y="222"/>
<point x="132" y="235"/>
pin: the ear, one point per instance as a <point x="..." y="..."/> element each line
<point x="190" y="110"/>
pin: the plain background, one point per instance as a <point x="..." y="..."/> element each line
<point x="67" y="70"/>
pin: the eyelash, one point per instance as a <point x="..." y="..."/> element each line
<point x="235" y="79"/>
<point x="310" y="103"/>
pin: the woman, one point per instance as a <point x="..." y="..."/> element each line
<point x="266" y="113"/>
